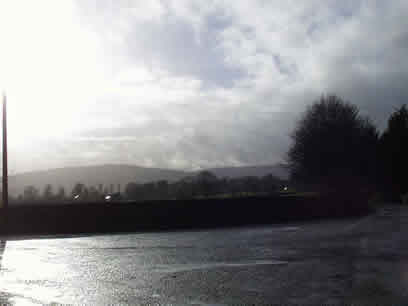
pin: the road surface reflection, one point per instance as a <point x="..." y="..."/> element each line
<point x="276" y="264"/>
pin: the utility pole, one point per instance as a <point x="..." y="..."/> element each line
<point x="5" y="172"/>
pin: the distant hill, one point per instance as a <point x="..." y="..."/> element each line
<point x="122" y="174"/>
<point x="90" y="176"/>
<point x="278" y="170"/>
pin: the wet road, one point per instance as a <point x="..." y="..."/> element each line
<point x="297" y="263"/>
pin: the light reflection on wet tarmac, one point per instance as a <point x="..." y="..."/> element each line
<point x="152" y="267"/>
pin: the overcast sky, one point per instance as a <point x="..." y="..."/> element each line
<point x="187" y="84"/>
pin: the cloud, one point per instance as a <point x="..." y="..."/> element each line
<point x="189" y="84"/>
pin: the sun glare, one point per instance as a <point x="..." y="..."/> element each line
<point x="49" y="67"/>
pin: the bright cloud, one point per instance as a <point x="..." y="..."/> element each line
<point x="189" y="84"/>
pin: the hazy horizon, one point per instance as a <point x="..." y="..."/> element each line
<point x="185" y="85"/>
<point x="138" y="166"/>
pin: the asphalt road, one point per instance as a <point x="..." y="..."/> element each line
<point x="330" y="262"/>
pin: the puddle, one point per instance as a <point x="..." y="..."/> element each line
<point x="200" y="266"/>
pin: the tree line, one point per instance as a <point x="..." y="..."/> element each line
<point x="203" y="185"/>
<point x="79" y="192"/>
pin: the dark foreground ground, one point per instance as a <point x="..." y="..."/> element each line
<point x="168" y="215"/>
<point x="361" y="261"/>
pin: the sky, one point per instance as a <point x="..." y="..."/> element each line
<point x="189" y="84"/>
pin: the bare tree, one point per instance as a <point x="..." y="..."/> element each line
<point x="333" y="144"/>
<point x="48" y="193"/>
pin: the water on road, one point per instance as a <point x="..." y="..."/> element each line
<point x="273" y="264"/>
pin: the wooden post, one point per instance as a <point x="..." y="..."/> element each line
<point x="5" y="171"/>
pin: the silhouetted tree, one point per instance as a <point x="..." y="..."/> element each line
<point x="223" y="185"/>
<point x="270" y="183"/>
<point x="30" y="193"/>
<point x="184" y="189"/>
<point x="333" y="144"/>
<point x="251" y="184"/>
<point x="394" y="145"/>
<point x="131" y="191"/>
<point x="206" y="183"/>
<point x="61" y="194"/>
<point x="94" y="194"/>
<point x="48" y="194"/>
<point x="85" y="193"/>
<point x="78" y="190"/>
<point x="149" y="191"/>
